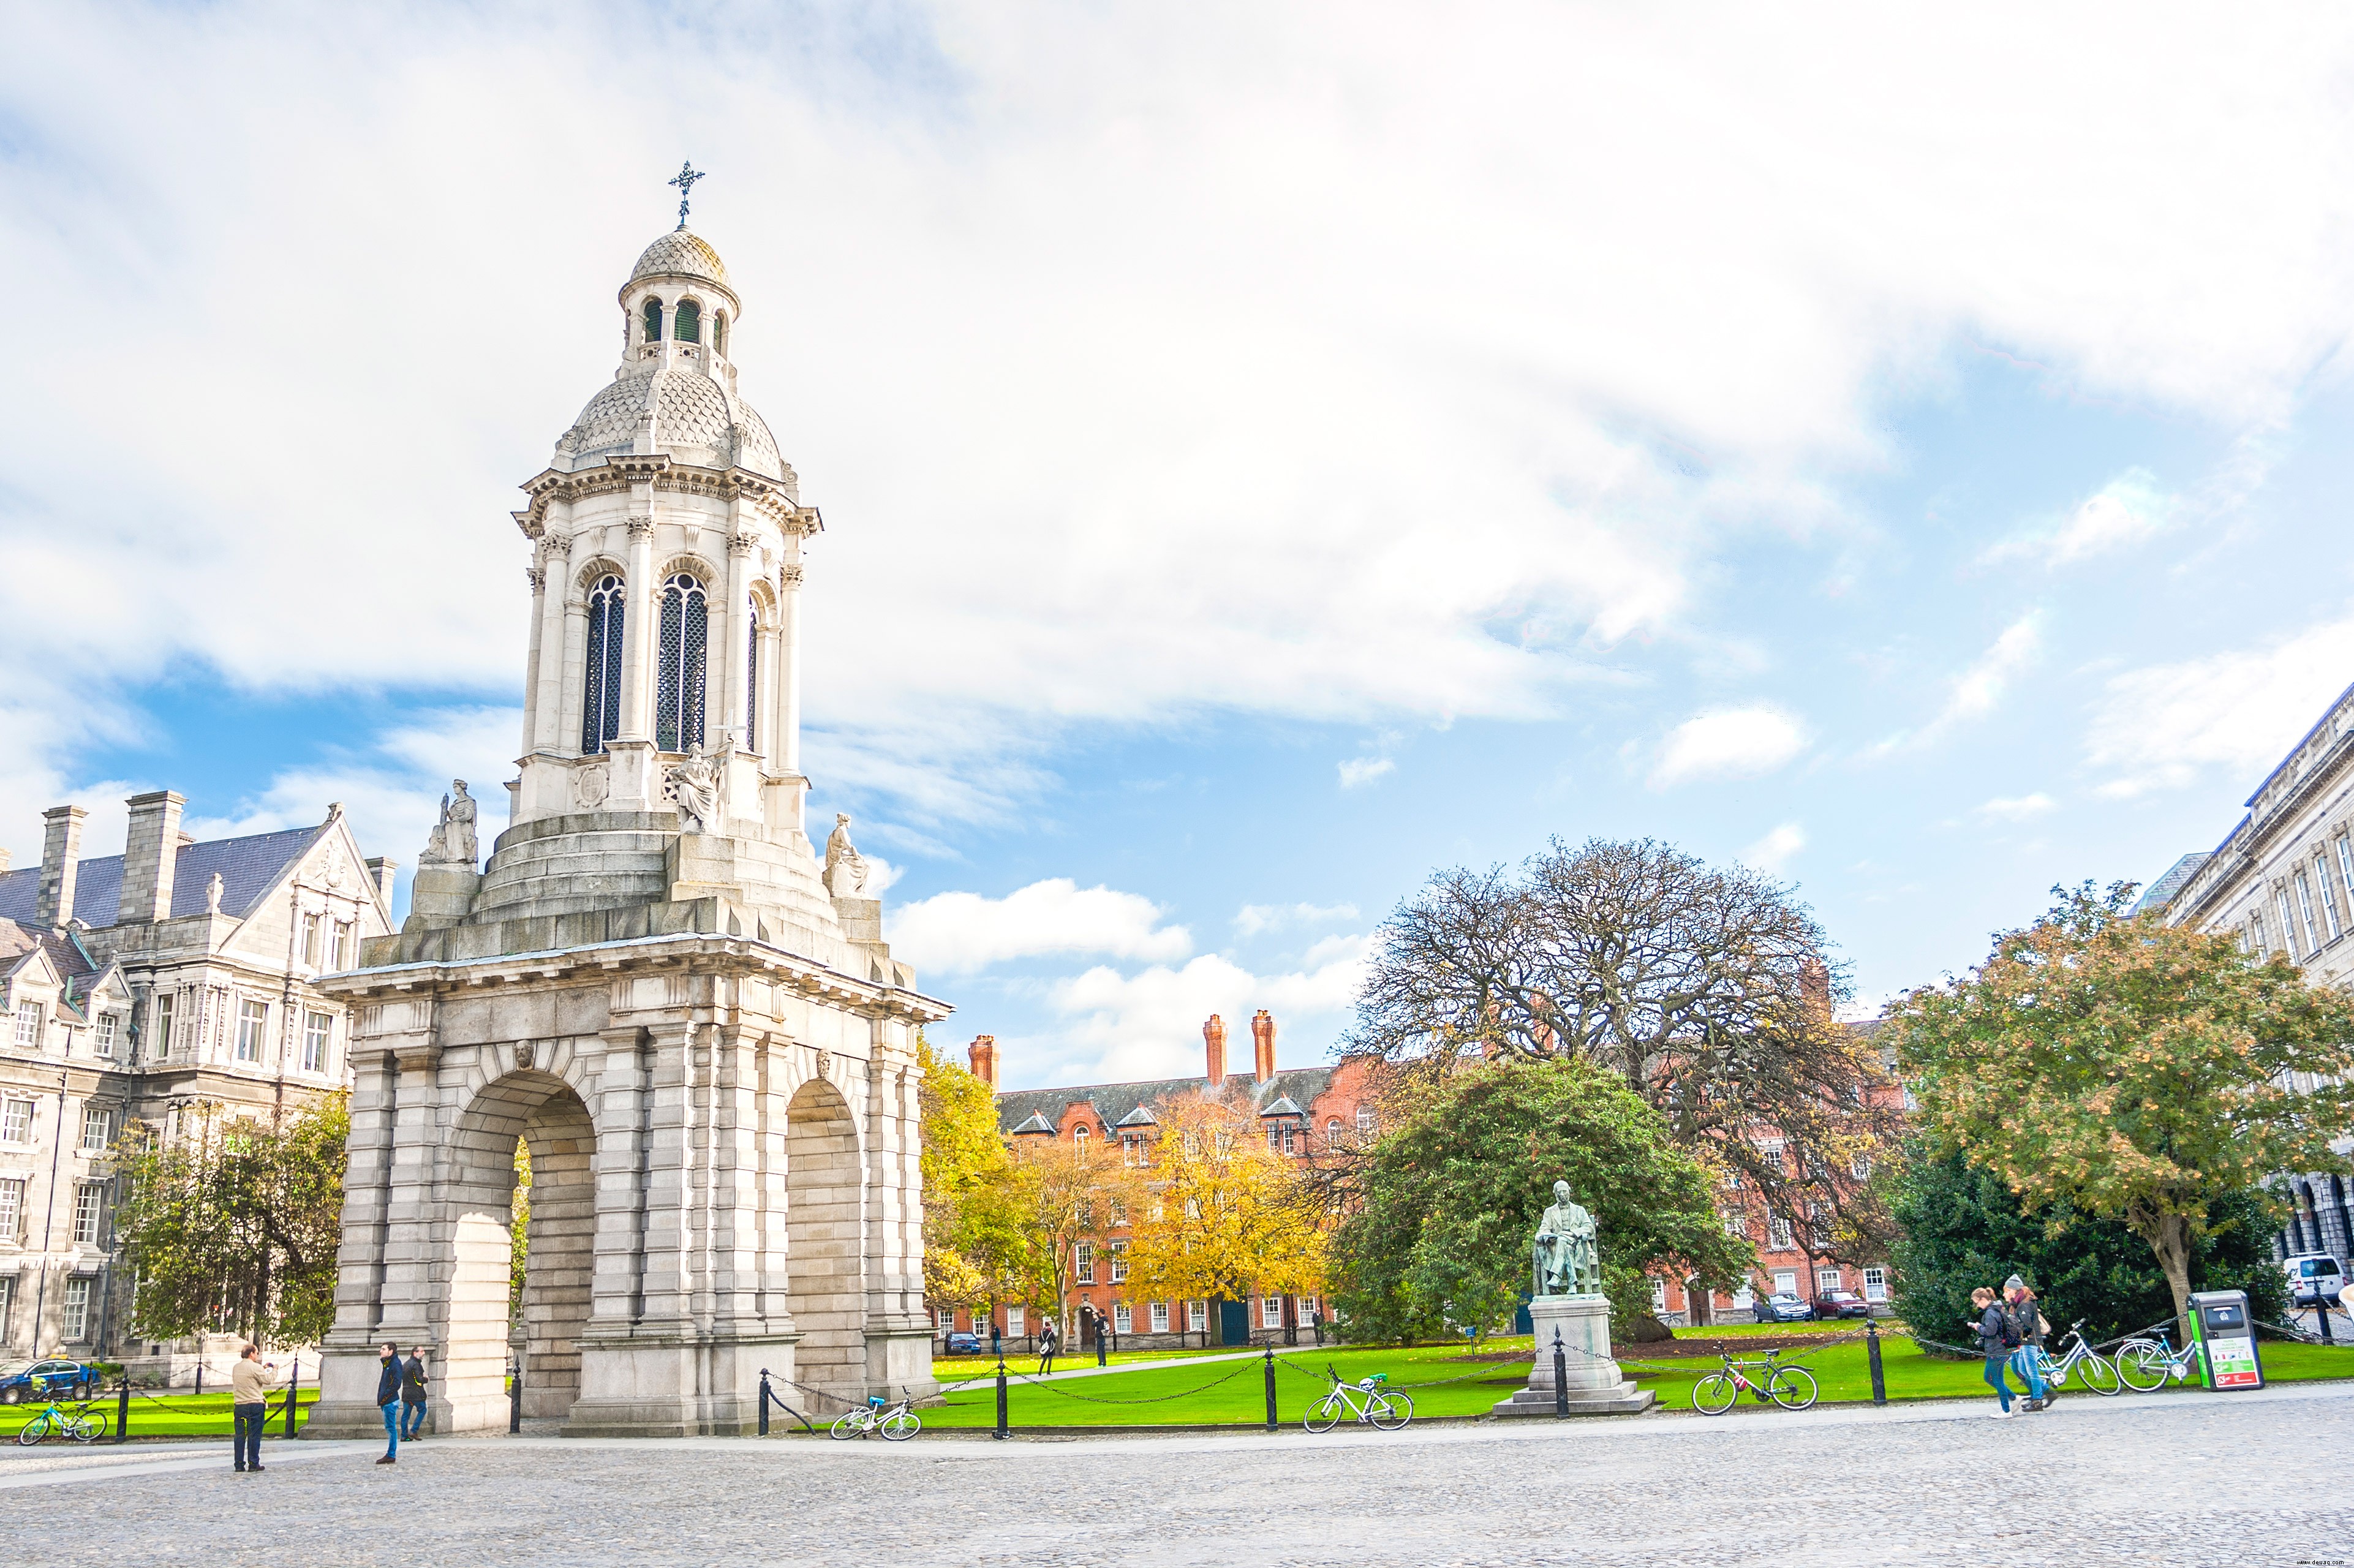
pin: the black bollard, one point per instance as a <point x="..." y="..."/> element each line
<point x="2321" y="1316"/>
<point x="294" y="1387"/>
<point x="515" y="1398"/>
<point x="1271" y="1385"/>
<point x="200" y="1377"/>
<point x="764" y="1402"/>
<point x="1000" y="1433"/>
<point x="1872" y="1349"/>
<point x="1559" y="1374"/>
<point x="123" y="1409"/>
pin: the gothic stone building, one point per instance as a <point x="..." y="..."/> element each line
<point x="2283" y="879"/>
<point x="704" y="1041"/>
<point x="175" y="979"/>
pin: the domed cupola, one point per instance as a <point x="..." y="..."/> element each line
<point x="674" y="391"/>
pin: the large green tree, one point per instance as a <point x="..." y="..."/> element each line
<point x="1447" y="1199"/>
<point x="1963" y="1227"/>
<point x="235" y="1225"/>
<point x="2131" y="1070"/>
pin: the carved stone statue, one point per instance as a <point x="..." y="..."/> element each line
<point x="452" y="839"/>
<point x="845" y="868"/>
<point x="693" y="787"/>
<point x="1568" y="1260"/>
<point x="213" y="895"/>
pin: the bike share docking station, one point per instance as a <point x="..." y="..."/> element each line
<point x="2226" y="1337"/>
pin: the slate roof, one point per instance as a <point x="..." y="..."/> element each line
<point x="66" y="956"/>
<point x="1113" y="1104"/>
<point x="247" y="865"/>
<point x="2161" y="892"/>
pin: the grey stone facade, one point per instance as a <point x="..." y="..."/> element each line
<point x="701" y="1038"/>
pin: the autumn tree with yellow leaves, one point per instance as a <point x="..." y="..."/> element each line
<point x="1213" y="1214"/>
<point x="2133" y="1070"/>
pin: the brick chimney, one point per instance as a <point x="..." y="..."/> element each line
<point x="7" y="861"/>
<point x="60" y="864"/>
<point x="1213" y="1035"/>
<point x="982" y="1054"/>
<point x="1815" y="985"/>
<point x="149" y="852"/>
<point x="1262" y="1046"/>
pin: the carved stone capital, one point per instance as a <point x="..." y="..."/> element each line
<point x="792" y="575"/>
<point x="538" y="578"/>
<point x="641" y="527"/>
<point x="742" y="544"/>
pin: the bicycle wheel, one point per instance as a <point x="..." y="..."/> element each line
<point x="87" y="1427"/>
<point x="2141" y="1367"/>
<point x="1792" y="1388"/>
<point x="850" y="1424"/>
<point x="33" y="1431"/>
<point x="1391" y="1411"/>
<point x="1714" y="1394"/>
<point x="2101" y="1374"/>
<point x="1323" y="1415"/>
<point x="901" y="1424"/>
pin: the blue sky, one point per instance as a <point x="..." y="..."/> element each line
<point x="1265" y="458"/>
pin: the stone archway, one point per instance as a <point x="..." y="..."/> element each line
<point x="559" y="1238"/>
<point x="825" y="1241"/>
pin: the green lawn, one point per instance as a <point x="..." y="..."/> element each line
<point x="1443" y="1384"/>
<point x="956" y="1369"/>
<point x="168" y="1415"/>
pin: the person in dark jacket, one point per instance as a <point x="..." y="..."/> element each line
<point x="387" y="1399"/>
<point x="1047" y="1340"/>
<point x="412" y="1392"/>
<point x="1993" y="1330"/>
<point x="2028" y="1328"/>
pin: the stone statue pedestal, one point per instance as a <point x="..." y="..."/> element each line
<point x="1596" y="1386"/>
<point x="442" y="895"/>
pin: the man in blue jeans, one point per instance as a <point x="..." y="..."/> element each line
<point x="387" y="1399"/>
<point x="412" y="1392"/>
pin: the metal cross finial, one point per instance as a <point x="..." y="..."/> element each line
<point x="687" y="175"/>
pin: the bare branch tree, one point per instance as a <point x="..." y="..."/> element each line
<point x="1708" y="989"/>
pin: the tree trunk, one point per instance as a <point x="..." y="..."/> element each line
<point x="2170" y="1238"/>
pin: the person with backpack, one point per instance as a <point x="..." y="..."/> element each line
<point x="1995" y="1341"/>
<point x="2028" y="1328"/>
<point x="412" y="1394"/>
<point x="1047" y="1340"/>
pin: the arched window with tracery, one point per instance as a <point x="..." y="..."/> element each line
<point x="751" y="672"/>
<point x="600" y="693"/>
<point x="686" y="324"/>
<point x="653" y="319"/>
<point x="678" y="689"/>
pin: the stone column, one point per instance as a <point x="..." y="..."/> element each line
<point x="734" y="628"/>
<point x="788" y="744"/>
<point x="551" y="647"/>
<point x="637" y="633"/>
<point x="348" y="1365"/>
<point x="532" y="705"/>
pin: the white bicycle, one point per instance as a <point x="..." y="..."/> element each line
<point x="1387" y="1408"/>
<point x="896" y="1422"/>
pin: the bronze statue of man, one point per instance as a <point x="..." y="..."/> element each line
<point x="1568" y="1260"/>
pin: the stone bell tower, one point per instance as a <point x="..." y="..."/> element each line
<point x="697" y="1033"/>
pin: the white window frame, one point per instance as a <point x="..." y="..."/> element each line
<point x="2288" y="922"/>
<point x="1736" y="1224"/>
<point x="2345" y="843"/>
<point x="1875" y="1285"/>
<point x="2304" y="886"/>
<point x="1786" y="1282"/>
<point x="77" y="1310"/>
<point x="1016" y="1319"/>
<point x="103" y="1034"/>
<point x="1781" y="1236"/>
<point x="948" y="1320"/>
<point x="343" y="944"/>
<point x="2328" y="893"/>
<point x="1364" y="1121"/>
<point x="1828" y="1279"/>
<point x="89" y="1212"/>
<point x="314" y="928"/>
<point x="15" y="1121"/>
<point x="318" y="1035"/>
<point x="252" y="1028"/>
<point x="12" y="1209"/>
<point x="98" y="1120"/>
<point x="28" y="1024"/>
<point x="1083" y="1263"/>
<point x="1197" y="1316"/>
<point x="1159" y="1317"/>
<point x="2256" y="932"/>
<point x="1270" y="1311"/>
<point x="1659" y="1294"/>
<point x="164" y="1012"/>
<point x="1123" y="1317"/>
<point x="1118" y="1251"/>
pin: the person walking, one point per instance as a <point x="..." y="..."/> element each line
<point x="249" y="1383"/>
<point x="1047" y="1339"/>
<point x="387" y="1399"/>
<point x="1994" y="1342"/>
<point x="2028" y="1327"/>
<point x="412" y="1394"/>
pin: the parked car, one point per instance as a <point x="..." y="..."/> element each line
<point x="54" y="1378"/>
<point x="1784" y="1306"/>
<point x="2312" y="1276"/>
<point x="964" y="1344"/>
<point x="1835" y="1302"/>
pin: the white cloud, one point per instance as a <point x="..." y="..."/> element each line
<point x="1358" y="770"/>
<point x="1036" y="245"/>
<point x="2017" y="808"/>
<point x="1775" y="850"/>
<point x="1255" y="919"/>
<point x="1979" y="689"/>
<point x="2125" y="512"/>
<point x="2162" y="726"/>
<point x="1732" y="743"/>
<point x="1148" y="1024"/>
<point x="957" y="933"/>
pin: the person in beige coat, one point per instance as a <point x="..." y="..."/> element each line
<point x="250" y="1387"/>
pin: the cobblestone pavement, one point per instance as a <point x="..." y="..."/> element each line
<point x="2256" y="1479"/>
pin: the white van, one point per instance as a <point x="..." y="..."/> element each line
<point x="2312" y="1276"/>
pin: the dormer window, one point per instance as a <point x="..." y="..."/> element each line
<point x="687" y="325"/>
<point x="652" y="320"/>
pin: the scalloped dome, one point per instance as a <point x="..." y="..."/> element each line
<point x="681" y="254"/>
<point x="697" y="421"/>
